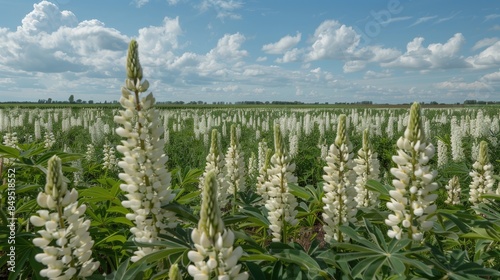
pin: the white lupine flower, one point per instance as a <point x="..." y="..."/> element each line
<point x="63" y="222"/>
<point x="442" y="150"/>
<point x="215" y="162"/>
<point x="453" y="191"/>
<point x="262" y="153"/>
<point x="146" y="181"/>
<point x="49" y="140"/>
<point x="412" y="199"/>
<point x="109" y="159"/>
<point x="294" y="144"/>
<point x="281" y="204"/>
<point x="339" y="186"/>
<point x="215" y="255"/>
<point x="252" y="167"/>
<point x="457" y="151"/>
<point x="482" y="176"/>
<point x="235" y="167"/>
<point x="89" y="154"/>
<point x="10" y="139"/>
<point x="263" y="178"/>
<point x="367" y="168"/>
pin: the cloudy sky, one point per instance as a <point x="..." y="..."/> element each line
<point x="387" y="51"/>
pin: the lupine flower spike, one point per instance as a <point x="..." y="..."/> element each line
<point x="65" y="240"/>
<point x="235" y="167"/>
<point x="340" y="193"/>
<point x="214" y="254"/>
<point x="453" y="191"/>
<point x="412" y="199"/>
<point x="146" y="180"/>
<point x="367" y="168"/>
<point x="215" y="162"/>
<point x="482" y="176"/>
<point x="281" y="204"/>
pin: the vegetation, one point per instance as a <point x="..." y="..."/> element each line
<point x="268" y="192"/>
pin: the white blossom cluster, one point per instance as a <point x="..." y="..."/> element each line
<point x="65" y="240"/>
<point x="89" y="153"/>
<point x="146" y="180"/>
<point x="10" y="139"/>
<point x="453" y="191"/>
<point x="215" y="162"/>
<point x="412" y="199"/>
<point x="340" y="206"/>
<point x="482" y="176"/>
<point x="367" y="168"/>
<point x="214" y="254"/>
<point x="235" y="166"/>
<point x="110" y="161"/>
<point x="442" y="150"/>
<point x="280" y="203"/>
<point x="263" y="177"/>
<point x="49" y="140"/>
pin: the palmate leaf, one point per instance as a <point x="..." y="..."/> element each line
<point x="299" y="257"/>
<point x="369" y="255"/>
<point x="456" y="265"/>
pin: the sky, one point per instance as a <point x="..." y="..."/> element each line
<point x="384" y="51"/>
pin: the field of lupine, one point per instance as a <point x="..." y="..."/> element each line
<point x="144" y="192"/>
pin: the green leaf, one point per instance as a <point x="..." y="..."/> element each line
<point x="382" y="190"/>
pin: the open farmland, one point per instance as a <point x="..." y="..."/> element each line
<point x="198" y="139"/>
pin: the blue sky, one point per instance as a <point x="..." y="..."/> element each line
<point x="390" y="51"/>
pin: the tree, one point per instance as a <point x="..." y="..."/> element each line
<point x="49" y="100"/>
<point x="71" y="99"/>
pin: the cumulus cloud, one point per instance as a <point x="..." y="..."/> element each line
<point x="46" y="17"/>
<point x="489" y="57"/>
<point x="333" y="40"/>
<point x="50" y="40"/>
<point x="434" y="56"/>
<point x="282" y="45"/>
<point x="459" y="85"/>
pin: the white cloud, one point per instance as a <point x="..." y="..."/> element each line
<point x="223" y="8"/>
<point x="282" y="45"/>
<point x="434" y="56"/>
<point x="458" y="85"/>
<point x="291" y="56"/>
<point x="140" y="3"/>
<point x="377" y="75"/>
<point x="333" y="40"/>
<point x="491" y="17"/>
<point x="395" y="19"/>
<point x="46" y="17"/>
<point x="491" y="77"/>
<point x="261" y="58"/>
<point x="490" y="57"/>
<point x="422" y="20"/>
<point x="486" y="42"/>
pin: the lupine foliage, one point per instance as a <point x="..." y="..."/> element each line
<point x="291" y="216"/>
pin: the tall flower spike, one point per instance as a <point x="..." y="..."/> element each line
<point x="412" y="199"/>
<point x="482" y="176"/>
<point x="214" y="254"/>
<point x="234" y="167"/>
<point x="453" y="191"/>
<point x="367" y="168"/>
<point x="146" y="180"/>
<point x="339" y="187"/>
<point x="215" y="162"/>
<point x="281" y="204"/>
<point x="65" y="240"/>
